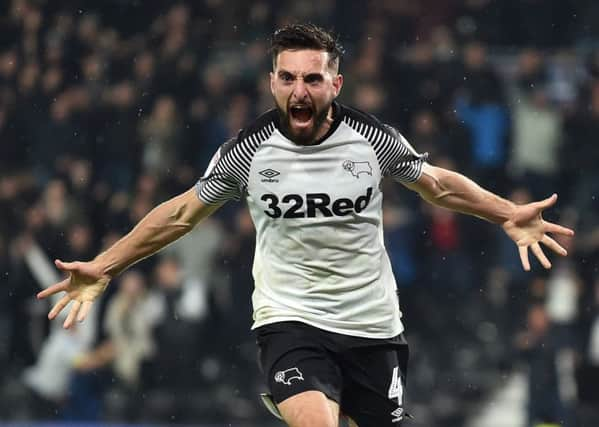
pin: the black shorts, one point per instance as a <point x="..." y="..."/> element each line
<point x="365" y="376"/>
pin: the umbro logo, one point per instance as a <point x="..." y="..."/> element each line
<point x="397" y="415"/>
<point x="269" y="175"/>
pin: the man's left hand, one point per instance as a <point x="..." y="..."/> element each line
<point x="527" y="228"/>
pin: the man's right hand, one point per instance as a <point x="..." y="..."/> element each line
<point x="85" y="283"/>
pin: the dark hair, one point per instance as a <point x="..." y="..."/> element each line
<point x="305" y="36"/>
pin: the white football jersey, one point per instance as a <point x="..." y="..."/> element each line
<point x="320" y="257"/>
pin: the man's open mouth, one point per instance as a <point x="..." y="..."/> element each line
<point x="301" y="113"/>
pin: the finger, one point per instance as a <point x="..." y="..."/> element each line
<point x="548" y="202"/>
<point x="66" y="266"/>
<point x="554" y="246"/>
<point x="54" y="289"/>
<point x="72" y="315"/>
<point x="523" y="250"/>
<point x="558" y="229"/>
<point x="59" y="306"/>
<point x="84" y="311"/>
<point x="536" y="249"/>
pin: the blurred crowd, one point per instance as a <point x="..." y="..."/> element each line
<point x="108" y="108"/>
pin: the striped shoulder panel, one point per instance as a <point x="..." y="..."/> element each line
<point x="395" y="155"/>
<point x="227" y="175"/>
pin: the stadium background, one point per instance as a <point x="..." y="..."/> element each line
<point x="108" y="108"/>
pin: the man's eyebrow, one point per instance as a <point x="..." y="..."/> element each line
<point x="313" y="76"/>
<point x="309" y="76"/>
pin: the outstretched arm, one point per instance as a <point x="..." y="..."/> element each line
<point x="87" y="280"/>
<point x="522" y="223"/>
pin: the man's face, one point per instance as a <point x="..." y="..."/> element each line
<point x="304" y="87"/>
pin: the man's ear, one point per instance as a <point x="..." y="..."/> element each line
<point x="272" y="83"/>
<point x="337" y="84"/>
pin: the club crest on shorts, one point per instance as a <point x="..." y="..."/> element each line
<point x="356" y="168"/>
<point x="288" y="375"/>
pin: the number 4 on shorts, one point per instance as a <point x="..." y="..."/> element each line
<point x="396" y="388"/>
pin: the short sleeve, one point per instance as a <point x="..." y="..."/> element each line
<point x="220" y="183"/>
<point x="404" y="163"/>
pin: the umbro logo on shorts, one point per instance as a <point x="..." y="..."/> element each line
<point x="288" y="375"/>
<point x="397" y="415"/>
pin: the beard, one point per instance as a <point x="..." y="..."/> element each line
<point x="302" y="136"/>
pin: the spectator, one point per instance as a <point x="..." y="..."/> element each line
<point x="536" y="344"/>
<point x="181" y="306"/>
<point x="481" y="108"/>
<point x="161" y="138"/>
<point x="537" y="138"/>
<point x="531" y="73"/>
<point x="128" y="346"/>
<point x="49" y="377"/>
<point x="588" y="373"/>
